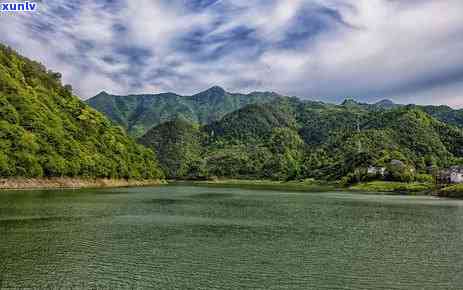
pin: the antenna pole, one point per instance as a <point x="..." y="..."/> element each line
<point x="358" y="131"/>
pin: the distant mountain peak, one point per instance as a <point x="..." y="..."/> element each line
<point x="385" y="102"/>
<point x="349" y="102"/>
<point x="266" y="93"/>
<point x="216" y="90"/>
<point x="212" y="94"/>
<point x="382" y="104"/>
<point x="102" y="93"/>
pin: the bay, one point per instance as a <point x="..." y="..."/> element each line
<point x="198" y="237"/>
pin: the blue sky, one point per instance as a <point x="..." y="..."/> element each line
<point x="405" y="50"/>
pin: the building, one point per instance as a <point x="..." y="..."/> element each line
<point x="374" y="170"/>
<point x="453" y="174"/>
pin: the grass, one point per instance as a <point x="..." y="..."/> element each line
<point x="394" y="187"/>
<point x="309" y="185"/>
<point x="68" y="182"/>
<point x="453" y="191"/>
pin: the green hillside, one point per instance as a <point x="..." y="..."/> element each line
<point x="46" y="131"/>
<point x="445" y="114"/>
<point x="442" y="113"/>
<point x="293" y="139"/>
<point x="138" y="113"/>
<point x="178" y="145"/>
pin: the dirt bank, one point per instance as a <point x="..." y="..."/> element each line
<point x="67" y="182"/>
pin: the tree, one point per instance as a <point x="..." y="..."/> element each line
<point x="287" y="148"/>
<point x="399" y="171"/>
<point x="46" y="131"/>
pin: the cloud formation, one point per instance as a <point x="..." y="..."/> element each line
<point x="409" y="51"/>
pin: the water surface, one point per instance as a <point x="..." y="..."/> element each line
<point x="185" y="237"/>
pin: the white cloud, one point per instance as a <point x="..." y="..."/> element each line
<point x="406" y="50"/>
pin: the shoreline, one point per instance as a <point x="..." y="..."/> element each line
<point x="71" y="183"/>
<point x="389" y="188"/>
<point x="304" y="185"/>
<point x="378" y="187"/>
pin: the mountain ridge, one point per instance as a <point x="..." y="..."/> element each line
<point x="138" y="113"/>
<point x="293" y="139"/>
<point x="46" y="131"/>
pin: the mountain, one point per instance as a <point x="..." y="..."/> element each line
<point x="178" y="145"/>
<point x="253" y="122"/>
<point x="46" y="131"/>
<point x="380" y="105"/>
<point x="445" y="114"/>
<point x="386" y="104"/>
<point x="293" y="139"/>
<point x="138" y="113"/>
<point x="352" y="103"/>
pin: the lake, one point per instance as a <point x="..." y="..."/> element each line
<point x="192" y="237"/>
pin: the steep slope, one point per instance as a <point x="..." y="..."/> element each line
<point x="387" y="104"/>
<point x="178" y="145"/>
<point x="254" y="122"/>
<point x="445" y="114"/>
<point x="442" y="113"/>
<point x="407" y="134"/>
<point x="138" y="113"/>
<point x="46" y="131"/>
<point x="289" y="139"/>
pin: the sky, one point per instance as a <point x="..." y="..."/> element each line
<point x="410" y="51"/>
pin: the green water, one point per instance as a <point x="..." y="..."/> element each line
<point x="181" y="237"/>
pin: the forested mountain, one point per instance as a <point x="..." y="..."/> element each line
<point x="443" y="113"/>
<point x="293" y="139"/>
<point x="46" y="131"/>
<point x="138" y="113"/>
<point x="178" y="145"/>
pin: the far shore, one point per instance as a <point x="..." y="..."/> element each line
<point x="309" y="185"/>
<point x="297" y="185"/>
<point x="379" y="187"/>
<point x="71" y="183"/>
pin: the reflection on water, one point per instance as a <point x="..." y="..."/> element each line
<point x="224" y="238"/>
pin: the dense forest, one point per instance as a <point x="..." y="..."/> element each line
<point x="46" y="131"/>
<point x="288" y="139"/>
<point x="139" y="113"/>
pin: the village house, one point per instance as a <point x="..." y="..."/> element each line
<point x="453" y="174"/>
<point x="374" y="170"/>
<point x="383" y="171"/>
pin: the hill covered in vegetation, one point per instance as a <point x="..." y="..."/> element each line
<point x="178" y="145"/>
<point x="442" y="113"/>
<point x="45" y="131"/>
<point x="290" y="139"/>
<point x="138" y="113"/>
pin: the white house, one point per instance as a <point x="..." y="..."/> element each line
<point x="453" y="174"/>
<point x="373" y="170"/>
<point x="456" y="177"/>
